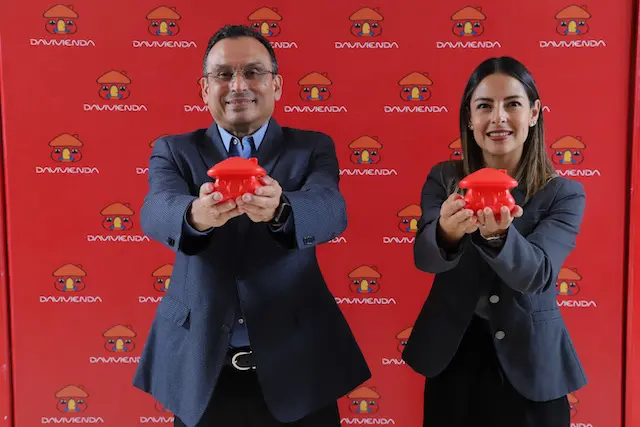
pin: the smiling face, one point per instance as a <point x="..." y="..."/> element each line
<point x="240" y="103"/>
<point x="501" y="116"/>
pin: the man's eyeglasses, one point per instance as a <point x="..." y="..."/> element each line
<point x="250" y="74"/>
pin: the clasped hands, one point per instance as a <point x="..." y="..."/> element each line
<point x="207" y="211"/>
<point x="455" y="221"/>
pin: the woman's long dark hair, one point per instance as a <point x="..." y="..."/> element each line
<point x="535" y="168"/>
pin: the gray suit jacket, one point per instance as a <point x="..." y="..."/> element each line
<point x="530" y="336"/>
<point x="306" y="354"/>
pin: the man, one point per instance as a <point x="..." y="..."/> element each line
<point x="248" y="333"/>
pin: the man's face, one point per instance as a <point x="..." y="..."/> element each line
<point x="239" y="87"/>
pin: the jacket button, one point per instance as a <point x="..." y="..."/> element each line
<point x="499" y="335"/>
<point x="226" y="328"/>
<point x="170" y="241"/>
<point x="494" y="299"/>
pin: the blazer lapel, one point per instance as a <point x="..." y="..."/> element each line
<point x="271" y="147"/>
<point x="518" y="196"/>
<point x="211" y="148"/>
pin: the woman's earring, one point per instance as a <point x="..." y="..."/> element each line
<point x="471" y="126"/>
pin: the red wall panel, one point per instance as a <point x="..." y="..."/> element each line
<point x="6" y="393"/>
<point x="632" y="378"/>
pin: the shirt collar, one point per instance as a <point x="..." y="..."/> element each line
<point x="258" y="136"/>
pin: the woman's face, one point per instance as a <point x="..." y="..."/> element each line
<point x="501" y="117"/>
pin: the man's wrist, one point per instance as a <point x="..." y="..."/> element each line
<point x="501" y="234"/>
<point x="192" y="221"/>
<point x="281" y="213"/>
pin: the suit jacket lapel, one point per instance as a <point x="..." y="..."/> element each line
<point x="211" y="148"/>
<point x="271" y="147"/>
<point x="518" y="195"/>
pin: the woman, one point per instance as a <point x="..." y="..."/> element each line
<point x="490" y="338"/>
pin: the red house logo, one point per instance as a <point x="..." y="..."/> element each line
<point x="365" y="150"/>
<point x="415" y="87"/>
<point x="365" y="22"/>
<point x="66" y="148"/>
<point x="114" y="85"/>
<point x="72" y="399"/>
<point x="61" y="20"/>
<point x="315" y="87"/>
<point x="568" y="151"/>
<point x="163" y="21"/>
<point x="117" y="217"/>
<point x="468" y="22"/>
<point x="266" y="21"/>
<point x="568" y="282"/>
<point x="573" y="21"/>
<point x="364" y="400"/>
<point x="409" y="217"/>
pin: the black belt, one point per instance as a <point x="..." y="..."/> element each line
<point x="241" y="359"/>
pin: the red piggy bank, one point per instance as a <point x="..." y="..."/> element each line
<point x="236" y="176"/>
<point x="489" y="187"/>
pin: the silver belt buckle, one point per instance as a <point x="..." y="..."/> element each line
<point x="234" y="361"/>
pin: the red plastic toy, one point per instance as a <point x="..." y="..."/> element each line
<point x="236" y="176"/>
<point x="489" y="187"/>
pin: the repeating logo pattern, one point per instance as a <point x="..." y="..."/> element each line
<point x="468" y="22"/>
<point x="365" y="150"/>
<point x="61" y="20"/>
<point x="456" y="150"/>
<point x="573" y="21"/>
<point x="573" y="25"/>
<point x="568" y="282"/>
<point x="117" y="217"/>
<point x="365" y="22"/>
<point x="119" y="339"/>
<point x="364" y="400"/>
<point x="568" y="154"/>
<point x="266" y="20"/>
<point x="573" y="404"/>
<point x="66" y="148"/>
<point x="568" y="150"/>
<point x="409" y="217"/>
<point x="72" y="399"/>
<point x="569" y="289"/>
<point x="417" y="86"/>
<point x="163" y="21"/>
<point x="70" y="278"/>
<point x="162" y="276"/>
<point x="403" y="337"/>
<point x="315" y="87"/>
<point x="114" y="85"/>
<point x="365" y="280"/>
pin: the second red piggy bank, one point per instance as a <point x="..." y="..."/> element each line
<point x="236" y="176"/>
<point x="489" y="187"/>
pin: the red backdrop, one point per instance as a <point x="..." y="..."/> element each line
<point x="76" y="156"/>
<point x="632" y="377"/>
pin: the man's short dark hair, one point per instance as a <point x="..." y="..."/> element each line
<point x="235" y="31"/>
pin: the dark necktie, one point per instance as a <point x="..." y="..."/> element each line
<point x="236" y="148"/>
<point x="239" y="334"/>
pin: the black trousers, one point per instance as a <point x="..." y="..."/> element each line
<point x="473" y="390"/>
<point x="237" y="401"/>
